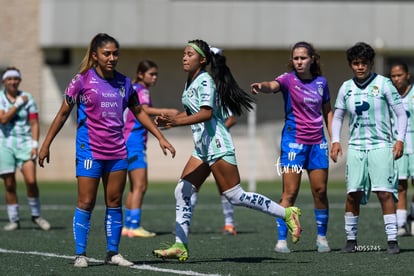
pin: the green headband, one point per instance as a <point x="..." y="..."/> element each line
<point x="198" y="49"/>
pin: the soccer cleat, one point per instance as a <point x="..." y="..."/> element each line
<point x="176" y="251"/>
<point x="322" y="245"/>
<point x="124" y="231"/>
<point x="350" y="247"/>
<point x="403" y="231"/>
<point x="229" y="230"/>
<point x="80" y="261"/>
<point x="393" y="247"/>
<point x="11" y="226"/>
<point x="118" y="260"/>
<point x="281" y="247"/>
<point x="140" y="232"/>
<point x="42" y="223"/>
<point x="292" y="222"/>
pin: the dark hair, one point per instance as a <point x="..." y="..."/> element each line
<point x="98" y="41"/>
<point x="315" y="68"/>
<point x="362" y="51"/>
<point x="401" y="64"/>
<point x="230" y="95"/>
<point x="144" y="66"/>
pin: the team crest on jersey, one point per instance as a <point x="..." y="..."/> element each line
<point x="375" y="91"/>
<point x="320" y="89"/>
<point x="122" y="91"/>
<point x="190" y="93"/>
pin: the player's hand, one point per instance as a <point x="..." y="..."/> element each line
<point x="336" y="150"/>
<point x="43" y="154"/>
<point x="165" y="145"/>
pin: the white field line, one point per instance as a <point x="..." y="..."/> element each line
<point x="139" y="267"/>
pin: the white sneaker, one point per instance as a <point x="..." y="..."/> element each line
<point x="118" y="260"/>
<point x="43" y="224"/>
<point x="80" y="261"/>
<point x="11" y="226"/>
<point x="322" y="245"/>
<point x="281" y="247"/>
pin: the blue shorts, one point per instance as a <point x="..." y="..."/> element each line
<point x="137" y="159"/>
<point x="95" y="168"/>
<point x="302" y="156"/>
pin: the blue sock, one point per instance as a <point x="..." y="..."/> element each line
<point x="81" y="227"/>
<point x="113" y="227"/>
<point x="127" y="222"/>
<point x="135" y="218"/>
<point x="321" y="218"/>
<point x="282" y="230"/>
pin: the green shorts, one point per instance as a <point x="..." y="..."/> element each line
<point x="229" y="157"/>
<point x="371" y="170"/>
<point x="405" y="166"/>
<point x="11" y="158"/>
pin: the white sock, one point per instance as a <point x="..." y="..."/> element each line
<point x="237" y="196"/>
<point x="351" y="226"/>
<point x="228" y="211"/>
<point x="183" y="212"/>
<point x="194" y="199"/>
<point x="390" y="222"/>
<point x="13" y="212"/>
<point x="401" y="217"/>
<point x="34" y="203"/>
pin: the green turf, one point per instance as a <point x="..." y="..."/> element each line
<point x="30" y="251"/>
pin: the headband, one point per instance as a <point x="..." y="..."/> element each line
<point x="198" y="49"/>
<point x="11" y="74"/>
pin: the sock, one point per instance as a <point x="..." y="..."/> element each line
<point x="81" y="227"/>
<point x="183" y="212"/>
<point x="113" y="227"/>
<point x="237" y="196"/>
<point x="351" y="226"/>
<point x="127" y="220"/>
<point x="135" y="218"/>
<point x="391" y="230"/>
<point x="13" y="212"/>
<point x="282" y="229"/>
<point x="194" y="199"/>
<point x="34" y="203"/>
<point x="228" y="211"/>
<point x="321" y="218"/>
<point x="401" y="217"/>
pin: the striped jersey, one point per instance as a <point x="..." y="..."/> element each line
<point x="408" y="102"/>
<point x="17" y="133"/>
<point x="370" y="111"/>
<point x="100" y="107"/>
<point x="133" y="128"/>
<point x="303" y="107"/>
<point x="211" y="138"/>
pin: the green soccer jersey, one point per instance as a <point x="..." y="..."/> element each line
<point x="408" y="102"/>
<point x="211" y="138"/>
<point x="370" y="111"/>
<point x="17" y="132"/>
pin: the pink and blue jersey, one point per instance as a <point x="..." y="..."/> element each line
<point x="100" y="107"/>
<point x="134" y="130"/>
<point x="303" y="107"/>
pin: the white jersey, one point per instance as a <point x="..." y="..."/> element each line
<point x="211" y="138"/>
<point x="17" y="133"/>
<point x="370" y="111"/>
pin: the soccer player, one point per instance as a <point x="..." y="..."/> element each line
<point x="206" y="98"/>
<point x="19" y="136"/>
<point x="101" y="94"/>
<point x="303" y="145"/>
<point x="369" y="99"/>
<point x="136" y="136"/>
<point x="400" y="77"/>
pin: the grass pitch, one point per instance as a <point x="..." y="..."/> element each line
<point x="30" y="251"/>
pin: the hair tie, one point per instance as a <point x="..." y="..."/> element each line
<point x="216" y="51"/>
<point x="198" y="49"/>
